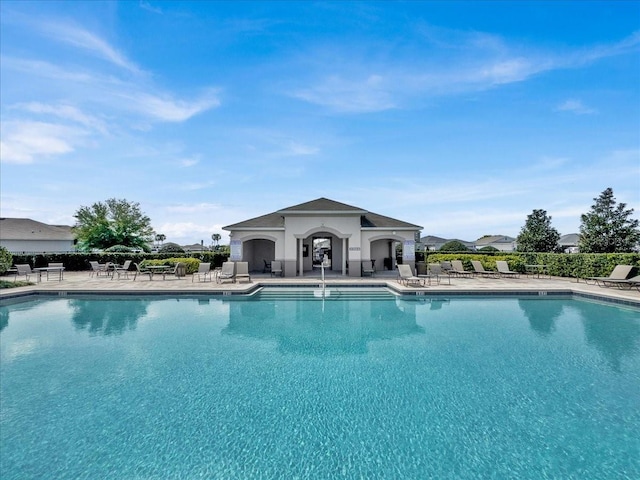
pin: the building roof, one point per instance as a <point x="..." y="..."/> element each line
<point x="570" y="239"/>
<point x="27" y="229"/>
<point x="322" y="206"/>
<point x="492" y="239"/>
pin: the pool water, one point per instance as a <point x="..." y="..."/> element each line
<point x="297" y="386"/>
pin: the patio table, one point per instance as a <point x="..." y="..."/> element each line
<point x="39" y="271"/>
<point x="537" y="270"/>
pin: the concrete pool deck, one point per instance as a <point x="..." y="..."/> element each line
<point x="85" y="283"/>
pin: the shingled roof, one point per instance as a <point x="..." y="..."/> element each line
<point x="27" y="229"/>
<point x="321" y="206"/>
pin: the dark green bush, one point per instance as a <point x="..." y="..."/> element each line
<point x="6" y="260"/>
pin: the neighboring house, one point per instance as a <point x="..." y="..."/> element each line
<point x="19" y="235"/>
<point x="499" y="242"/>
<point x="432" y="243"/>
<point x="347" y="235"/>
<point x="569" y="242"/>
<point x="196" y="247"/>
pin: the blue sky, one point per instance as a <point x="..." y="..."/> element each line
<point x="462" y="117"/>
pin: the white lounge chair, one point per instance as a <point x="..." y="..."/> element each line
<point x="204" y="270"/>
<point x="406" y="276"/>
<point x="276" y="268"/>
<point x="242" y="272"/>
<point x="367" y="268"/>
<point x="503" y="269"/>
<point x="227" y="274"/>
<point x="435" y="270"/>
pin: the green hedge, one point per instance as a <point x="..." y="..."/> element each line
<point x="572" y="265"/>
<point x="76" y="262"/>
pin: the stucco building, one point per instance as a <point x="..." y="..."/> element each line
<point x="302" y="235"/>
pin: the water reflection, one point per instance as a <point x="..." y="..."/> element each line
<point x="107" y="317"/>
<point x="615" y="338"/>
<point x="542" y="314"/>
<point x="323" y="328"/>
<point x="4" y="318"/>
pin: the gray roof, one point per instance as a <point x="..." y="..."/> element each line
<point x="494" y="239"/>
<point x="320" y="206"/>
<point x="571" y="239"/>
<point x="27" y="229"/>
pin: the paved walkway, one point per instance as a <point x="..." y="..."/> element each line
<point x="86" y="283"/>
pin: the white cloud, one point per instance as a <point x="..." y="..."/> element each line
<point x="575" y="106"/>
<point x="65" y="112"/>
<point x="83" y="39"/>
<point x="23" y="142"/>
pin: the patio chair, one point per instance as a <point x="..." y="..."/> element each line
<point x="620" y="272"/>
<point x="623" y="284"/>
<point x="367" y="268"/>
<point x="59" y="266"/>
<point x="98" y="269"/>
<point x="458" y="270"/>
<point x="503" y="269"/>
<point x="121" y="270"/>
<point x="276" y="268"/>
<point x="177" y="270"/>
<point x="141" y="271"/>
<point x="406" y="276"/>
<point x="24" y="269"/>
<point x="479" y="269"/>
<point x="267" y="267"/>
<point x="227" y="274"/>
<point x="204" y="270"/>
<point x="242" y="272"/>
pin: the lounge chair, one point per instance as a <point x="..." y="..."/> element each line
<point x="620" y="272"/>
<point x="242" y="272"/>
<point x="624" y="284"/>
<point x="227" y="274"/>
<point x="276" y="268"/>
<point x="204" y="270"/>
<point x="24" y="269"/>
<point x="479" y="269"/>
<point x="98" y="269"/>
<point x="406" y="276"/>
<point x="436" y="271"/>
<point x="503" y="269"/>
<point x="367" y="268"/>
<point x="458" y="270"/>
<point x="141" y="271"/>
<point x="121" y="270"/>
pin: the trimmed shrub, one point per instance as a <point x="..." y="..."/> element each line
<point x="6" y="260"/>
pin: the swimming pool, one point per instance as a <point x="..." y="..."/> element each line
<point x="300" y="386"/>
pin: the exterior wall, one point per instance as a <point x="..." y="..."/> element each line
<point x="346" y="235"/>
<point x="39" y="246"/>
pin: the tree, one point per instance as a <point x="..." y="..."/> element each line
<point x="216" y="238"/>
<point x="608" y="228"/>
<point x="538" y="235"/>
<point x="114" y="222"/>
<point x="454" y="246"/>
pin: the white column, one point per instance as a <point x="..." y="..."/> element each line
<point x="300" y="257"/>
<point x="344" y="256"/>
